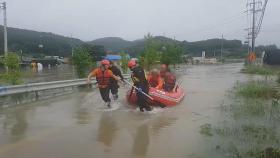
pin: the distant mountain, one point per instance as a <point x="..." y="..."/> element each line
<point x="28" y="41"/>
<point x="115" y="44"/>
<point x="211" y="46"/>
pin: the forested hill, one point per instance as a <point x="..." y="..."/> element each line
<point x="115" y="44"/>
<point x="28" y="41"/>
<point x="231" y="48"/>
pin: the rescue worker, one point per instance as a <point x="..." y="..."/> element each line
<point x="163" y="70"/>
<point x="168" y="78"/>
<point x="34" y="66"/>
<point x="169" y="82"/>
<point x="103" y="76"/>
<point x="155" y="80"/>
<point x="114" y="86"/>
<point x="251" y="58"/>
<point x="140" y="81"/>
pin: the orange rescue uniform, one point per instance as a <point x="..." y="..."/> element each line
<point x="156" y="82"/>
<point x="103" y="77"/>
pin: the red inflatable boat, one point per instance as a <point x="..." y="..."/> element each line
<point x="160" y="97"/>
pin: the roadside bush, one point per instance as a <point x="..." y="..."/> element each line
<point x="13" y="74"/>
<point x="82" y="61"/>
<point x="256" y="89"/>
<point x="278" y="77"/>
<point x="124" y="62"/>
<point x="259" y="70"/>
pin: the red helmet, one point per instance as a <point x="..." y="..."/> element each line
<point x="131" y="63"/>
<point x="105" y="62"/>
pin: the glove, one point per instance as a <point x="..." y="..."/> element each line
<point x="140" y="90"/>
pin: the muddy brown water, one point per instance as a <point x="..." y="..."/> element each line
<point x="79" y="126"/>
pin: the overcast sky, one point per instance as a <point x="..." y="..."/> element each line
<point x="189" y="20"/>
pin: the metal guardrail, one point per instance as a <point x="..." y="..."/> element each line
<point x="35" y="87"/>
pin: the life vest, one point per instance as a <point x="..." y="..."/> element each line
<point x="170" y="79"/>
<point x="251" y="57"/>
<point x="162" y="73"/>
<point x="154" y="82"/>
<point x="103" y="77"/>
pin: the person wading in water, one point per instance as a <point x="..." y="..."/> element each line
<point x="140" y="81"/>
<point x="103" y="76"/>
<point x="114" y="86"/>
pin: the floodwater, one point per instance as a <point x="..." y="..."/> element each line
<point x="79" y="126"/>
<point x="60" y="72"/>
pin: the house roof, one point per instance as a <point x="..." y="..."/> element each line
<point x="113" y="57"/>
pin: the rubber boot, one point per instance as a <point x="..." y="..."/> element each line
<point x="148" y="108"/>
<point x="115" y="96"/>
<point x="108" y="104"/>
<point x="141" y="109"/>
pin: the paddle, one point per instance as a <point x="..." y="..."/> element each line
<point x="138" y="90"/>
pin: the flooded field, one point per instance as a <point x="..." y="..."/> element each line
<point x="78" y="124"/>
<point x="60" y="72"/>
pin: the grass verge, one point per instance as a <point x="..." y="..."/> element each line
<point x="260" y="70"/>
<point x="256" y="89"/>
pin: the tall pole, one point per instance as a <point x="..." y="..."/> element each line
<point x="254" y="26"/>
<point x="222" y="46"/>
<point x="5" y="28"/>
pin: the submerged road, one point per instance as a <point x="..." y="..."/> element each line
<point x="79" y="126"/>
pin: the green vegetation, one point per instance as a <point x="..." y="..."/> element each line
<point x="232" y="48"/>
<point x="172" y="54"/>
<point x="206" y="130"/>
<point x="151" y="54"/>
<point x="28" y="41"/>
<point x="278" y="77"/>
<point x="82" y="61"/>
<point x="13" y="74"/>
<point x="249" y="122"/>
<point x="96" y="52"/>
<point x="124" y="62"/>
<point x="114" y="44"/>
<point x="156" y="52"/>
<point x="259" y="70"/>
<point x="256" y="89"/>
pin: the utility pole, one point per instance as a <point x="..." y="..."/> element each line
<point x="222" y="46"/>
<point x="256" y="8"/>
<point x="4" y="7"/>
<point x="254" y="26"/>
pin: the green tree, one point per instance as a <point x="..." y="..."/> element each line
<point x="82" y="61"/>
<point x="151" y="54"/>
<point x="13" y="74"/>
<point x="171" y="54"/>
<point x="96" y="52"/>
<point x="124" y="62"/>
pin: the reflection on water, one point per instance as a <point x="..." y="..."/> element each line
<point x="83" y="116"/>
<point x="60" y="72"/>
<point x="14" y="123"/>
<point x="107" y="129"/>
<point x="162" y="123"/>
<point x="141" y="141"/>
<point x="20" y="125"/>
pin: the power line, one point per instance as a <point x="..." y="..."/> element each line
<point x="255" y="8"/>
